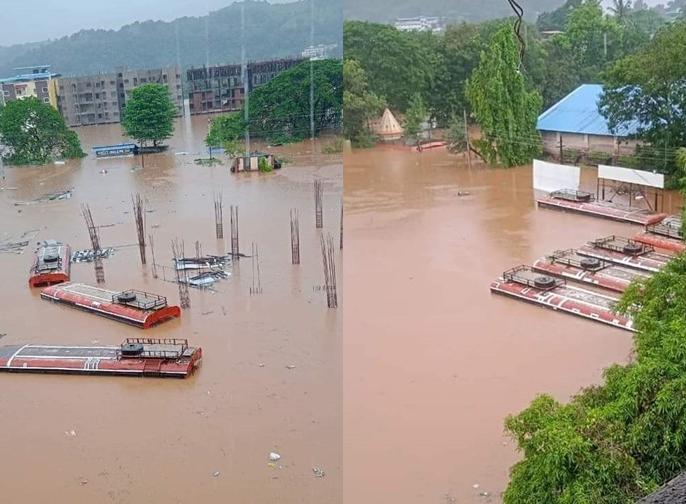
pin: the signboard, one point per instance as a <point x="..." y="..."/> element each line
<point x="551" y="177"/>
<point x="629" y="176"/>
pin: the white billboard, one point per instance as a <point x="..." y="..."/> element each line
<point x="629" y="176"/>
<point x="551" y="177"/>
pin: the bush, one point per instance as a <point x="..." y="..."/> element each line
<point x="263" y="165"/>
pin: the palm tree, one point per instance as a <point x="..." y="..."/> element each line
<point x="620" y="8"/>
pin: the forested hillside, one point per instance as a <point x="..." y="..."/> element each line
<point x="271" y="31"/>
<point x="453" y="10"/>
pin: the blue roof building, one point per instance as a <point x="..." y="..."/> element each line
<point x="575" y="122"/>
<point x="579" y="112"/>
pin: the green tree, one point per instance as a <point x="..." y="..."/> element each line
<point x="648" y="87"/>
<point x="227" y="131"/>
<point x="397" y="64"/>
<point x="458" y="55"/>
<point x="360" y="105"/>
<point x="149" y="114"/>
<point x="414" y="118"/>
<point x="556" y="20"/>
<point x="457" y="135"/>
<point x="503" y="105"/>
<point x="618" y="441"/>
<point x="33" y="132"/>
<point x="280" y="109"/>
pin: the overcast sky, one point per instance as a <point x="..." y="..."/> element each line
<point x="36" y="20"/>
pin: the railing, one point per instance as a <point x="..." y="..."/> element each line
<point x="181" y="344"/>
<point x="141" y="299"/>
<point x="622" y="245"/>
<point x="517" y="275"/>
<point x="569" y="257"/>
<point x="670" y="230"/>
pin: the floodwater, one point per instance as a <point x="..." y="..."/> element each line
<point x="270" y="379"/>
<point x="433" y="362"/>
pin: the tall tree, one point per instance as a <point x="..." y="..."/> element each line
<point x="414" y="118"/>
<point x="620" y="8"/>
<point x="650" y="87"/>
<point x="280" y="110"/>
<point x="149" y="114"/>
<point x="360" y="105"/>
<point x="32" y="132"/>
<point x="504" y="106"/>
<point x="557" y="19"/>
<point x="398" y="64"/>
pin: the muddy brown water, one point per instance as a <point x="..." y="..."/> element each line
<point x="433" y="362"/>
<point x="207" y="438"/>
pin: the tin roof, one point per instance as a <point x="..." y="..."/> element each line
<point x="578" y="112"/>
<point x="29" y="77"/>
<point x="672" y="492"/>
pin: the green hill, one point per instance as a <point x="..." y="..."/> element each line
<point x="271" y="31"/>
<point x="384" y="11"/>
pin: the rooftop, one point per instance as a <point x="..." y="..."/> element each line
<point x="579" y="112"/>
<point x="28" y="77"/>
<point x="672" y="492"/>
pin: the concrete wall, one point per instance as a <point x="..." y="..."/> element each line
<point x="587" y="143"/>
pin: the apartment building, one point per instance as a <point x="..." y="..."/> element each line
<point x="100" y="99"/>
<point x="222" y="89"/>
<point x="36" y="81"/>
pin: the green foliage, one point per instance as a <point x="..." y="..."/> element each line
<point x="556" y="20"/>
<point x="503" y="105"/>
<point x="457" y="135"/>
<point x="454" y="11"/>
<point x="149" y="114"/>
<point x="271" y="31"/>
<point x="280" y="109"/>
<point x="360" y="106"/>
<point x="414" y="117"/>
<point x="263" y="165"/>
<point x="227" y="131"/>
<point x="397" y="64"/>
<point x="33" y="132"/>
<point x="615" y="442"/>
<point x="335" y="147"/>
<point x="648" y="86"/>
<point x="458" y="55"/>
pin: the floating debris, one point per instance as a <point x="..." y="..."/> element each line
<point x="208" y="262"/>
<point x="16" y="245"/>
<point x="206" y="279"/>
<point x="273" y="456"/>
<point x="318" y="472"/>
<point x="89" y="255"/>
<point x="60" y="195"/>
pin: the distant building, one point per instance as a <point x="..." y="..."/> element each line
<point x="37" y="81"/>
<point x="100" y="99"/>
<point x="221" y="88"/>
<point x="421" y="23"/>
<point x="318" y="52"/>
<point x="575" y="122"/>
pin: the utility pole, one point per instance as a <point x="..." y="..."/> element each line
<point x="466" y="136"/>
<point x="561" y="150"/>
